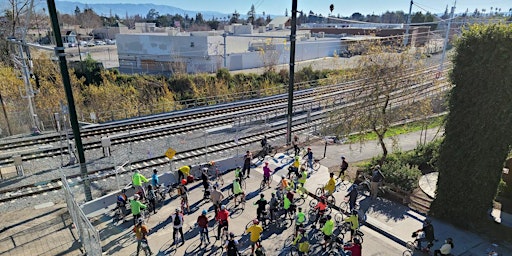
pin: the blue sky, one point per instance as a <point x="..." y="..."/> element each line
<point x="344" y="8"/>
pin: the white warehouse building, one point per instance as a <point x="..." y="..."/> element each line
<point x="195" y="52"/>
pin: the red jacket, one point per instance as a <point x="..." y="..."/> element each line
<point x="223" y="215"/>
<point x="354" y="248"/>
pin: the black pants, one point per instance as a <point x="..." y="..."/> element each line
<point x="260" y="214"/>
<point x="135" y="218"/>
<point x="175" y="231"/>
<point x="152" y="204"/>
<point x="297" y="149"/>
<point x="220" y="226"/>
<point x="180" y="176"/>
<point x="248" y="168"/>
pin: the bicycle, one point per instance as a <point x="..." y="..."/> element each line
<point x="345" y="206"/>
<point x="224" y="236"/>
<point x="202" y="235"/>
<point x="266" y="183"/>
<point x="313" y="213"/>
<point x="346" y="227"/>
<point x="320" y="193"/>
<point x="314" y="168"/>
<point x="145" y="246"/>
<point x="338" y="248"/>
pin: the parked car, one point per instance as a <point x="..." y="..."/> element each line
<point x="111" y="41"/>
<point x="100" y="43"/>
<point x="83" y="43"/>
<point x="90" y="44"/>
<point x="71" y="44"/>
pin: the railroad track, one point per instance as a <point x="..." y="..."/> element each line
<point x="425" y="90"/>
<point x="162" y="126"/>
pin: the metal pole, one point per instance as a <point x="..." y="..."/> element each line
<point x="292" y="72"/>
<point x="446" y="37"/>
<point x="59" y="51"/>
<point x="225" y="60"/>
<point x="28" y="87"/>
<point x="406" y="39"/>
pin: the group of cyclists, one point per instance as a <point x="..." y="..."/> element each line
<point x="267" y="211"/>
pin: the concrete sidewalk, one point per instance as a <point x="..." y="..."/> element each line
<point x="395" y="220"/>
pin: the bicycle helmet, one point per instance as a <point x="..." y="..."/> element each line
<point x="255" y="221"/>
<point x="266" y="163"/>
<point x="140" y="220"/>
<point x="282" y="176"/>
<point x="136" y="196"/>
<point x="205" y="212"/>
<point x="328" y="217"/>
<point x="262" y="195"/>
<point x="297" y="157"/>
<point x="223" y="207"/>
<point x="342" y="157"/>
<point x="239" y="167"/>
<point x="231" y="234"/>
<point x="355" y="212"/>
<point x="183" y="182"/>
<point x="178" y="209"/>
<point x="309" y="148"/>
<point x="356" y="240"/>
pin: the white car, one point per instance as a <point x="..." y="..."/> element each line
<point x="100" y="43"/>
<point x="90" y="44"/>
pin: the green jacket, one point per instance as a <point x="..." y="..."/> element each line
<point x="138" y="179"/>
<point x="328" y="227"/>
<point x="136" y="206"/>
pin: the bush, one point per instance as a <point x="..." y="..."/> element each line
<point x="397" y="171"/>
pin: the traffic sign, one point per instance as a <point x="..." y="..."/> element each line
<point x="170" y="153"/>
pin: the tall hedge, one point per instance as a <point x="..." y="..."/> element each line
<point x="478" y="131"/>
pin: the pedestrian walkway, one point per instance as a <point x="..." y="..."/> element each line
<point x="389" y="225"/>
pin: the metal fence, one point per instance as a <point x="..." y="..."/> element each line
<point x="89" y="236"/>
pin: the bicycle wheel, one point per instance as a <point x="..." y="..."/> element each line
<point x="316" y="165"/>
<point x="243" y="183"/>
<point x="358" y="236"/>
<point x="338" y="218"/>
<point x="313" y="203"/>
<point x="319" y="192"/>
<point x="410" y="246"/>
<point x="312" y="215"/>
<point x="407" y="253"/>
<point x="263" y="184"/>
<point x="344" y="207"/>
<point x="331" y="200"/>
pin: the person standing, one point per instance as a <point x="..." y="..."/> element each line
<point x="352" y="196"/>
<point x="137" y="180"/>
<point x="177" y="221"/>
<point x="266" y="174"/>
<point x="184" y="172"/>
<point x="223" y="219"/>
<point x="428" y="230"/>
<point x="141" y="232"/>
<point x="262" y="203"/>
<point x="152" y="198"/>
<point x="355" y="247"/>
<point x="216" y="196"/>
<point x="255" y="231"/>
<point x="155" y="181"/>
<point x="247" y="163"/>
<point x="377" y="178"/>
<point x="274" y="205"/>
<point x="231" y="245"/>
<point x="202" y="223"/>
<point x="300" y="219"/>
<point x="328" y="230"/>
<point x="309" y="158"/>
<point x="343" y="167"/>
<point x="295" y="143"/>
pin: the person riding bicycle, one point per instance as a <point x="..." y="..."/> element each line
<point x="223" y="219"/>
<point x="428" y="230"/>
<point x="177" y="221"/>
<point x="294" y="168"/>
<point x="343" y="167"/>
<point x="184" y="172"/>
<point x="355" y="247"/>
<point x="266" y="174"/>
<point x="155" y="181"/>
<point x="303" y="177"/>
<point x="247" y="163"/>
<point x="327" y="230"/>
<point x="352" y="196"/>
<point x="152" y="198"/>
<point x="238" y="172"/>
<point x="202" y="223"/>
<point x="183" y="192"/>
<point x="331" y="185"/>
<point x="353" y="219"/>
<point x="255" y="231"/>
<point x="122" y="199"/>
<point x="231" y="245"/>
<point x="285" y="183"/>
<point x="136" y="206"/>
<point x="262" y="203"/>
<point x="237" y="190"/>
<point x="274" y="205"/>
<point x="137" y="180"/>
<point x="216" y="197"/>
<point x="320" y="207"/>
<point x="141" y="232"/>
<point x="288" y="203"/>
<point x="309" y="156"/>
<point x="300" y="220"/>
<point x="303" y="242"/>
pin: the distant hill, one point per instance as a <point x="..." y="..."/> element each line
<point x="131" y="9"/>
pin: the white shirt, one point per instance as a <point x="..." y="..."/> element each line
<point x="445" y="249"/>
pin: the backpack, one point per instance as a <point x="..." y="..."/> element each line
<point x="176" y="220"/>
<point x="232" y="250"/>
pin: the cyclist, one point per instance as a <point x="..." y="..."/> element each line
<point x="352" y="196"/>
<point x="262" y="203"/>
<point x="152" y="198"/>
<point x="288" y="205"/>
<point x="183" y="191"/>
<point x="266" y="174"/>
<point x="274" y="204"/>
<point x="295" y="143"/>
<point x="309" y="156"/>
<point x="327" y="230"/>
<point x="222" y="218"/>
<point x="141" y="232"/>
<point x="285" y="183"/>
<point x="177" y="220"/>
<point x="300" y="219"/>
<point x="216" y="196"/>
<point x="355" y="248"/>
<point x="137" y="180"/>
<point x="247" y="163"/>
<point x="136" y="206"/>
<point x="238" y="191"/>
<point x="264" y="142"/>
<point x="238" y="172"/>
<point x="155" y="181"/>
<point x="302" y="239"/>
<point x="122" y="199"/>
<point x="353" y="219"/>
<point x="343" y="167"/>
<point x="428" y="229"/>
<point x="232" y="245"/>
<point x="294" y="168"/>
<point x="303" y="178"/>
<point x="205" y="182"/>
<point x="320" y="207"/>
<point x="184" y="172"/>
<point x="202" y="223"/>
<point x="331" y="185"/>
<point x="255" y="231"/>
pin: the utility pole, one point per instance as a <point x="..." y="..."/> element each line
<point x="293" y="37"/>
<point x="446" y="37"/>
<point x="5" y="115"/>
<point x="406" y="38"/>
<point x="59" y="51"/>
<point x="225" y="61"/>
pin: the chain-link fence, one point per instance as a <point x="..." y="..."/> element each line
<point x="89" y="236"/>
